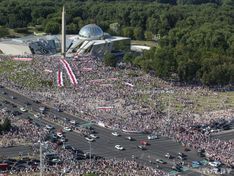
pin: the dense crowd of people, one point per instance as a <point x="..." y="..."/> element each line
<point x="125" y="99"/>
<point x="22" y="132"/>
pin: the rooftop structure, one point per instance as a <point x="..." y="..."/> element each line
<point x="91" y="32"/>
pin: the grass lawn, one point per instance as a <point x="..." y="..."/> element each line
<point x="198" y="103"/>
<point x="141" y="42"/>
<point x="20" y="73"/>
<point x="90" y="174"/>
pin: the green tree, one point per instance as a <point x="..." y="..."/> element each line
<point x="128" y="58"/>
<point x="109" y="59"/>
<point x="164" y="62"/>
<point x="72" y="28"/>
<point x="128" y="32"/>
<point x="52" y="27"/>
<point x="6" y="126"/>
<point x="148" y="35"/>
<point x="115" y="27"/>
<point x="138" y="33"/>
<point x="3" y="32"/>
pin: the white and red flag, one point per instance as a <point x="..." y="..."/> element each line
<point x="60" y="78"/>
<point x="69" y="71"/>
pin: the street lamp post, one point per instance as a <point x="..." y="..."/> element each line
<point x="90" y="153"/>
<point x="41" y="164"/>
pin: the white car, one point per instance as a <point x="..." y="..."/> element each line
<point x="129" y="138"/>
<point x="59" y="134"/>
<point x="49" y="127"/>
<point x="42" y="108"/>
<point x="115" y="134"/>
<point x="73" y="122"/>
<point x="93" y="136"/>
<point x="23" y="109"/>
<point x="119" y="147"/>
<point x="215" y="163"/>
<point x="4" y="110"/>
<point x="168" y="155"/>
<point x="89" y="139"/>
<point x="38" y="115"/>
<point x="151" y="137"/>
<point x="66" y="129"/>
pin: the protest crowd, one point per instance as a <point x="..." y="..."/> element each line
<point x="124" y="99"/>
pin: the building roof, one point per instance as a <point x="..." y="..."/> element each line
<point x="91" y="31"/>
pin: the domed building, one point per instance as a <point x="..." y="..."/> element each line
<point x="91" y="32"/>
<point x="92" y="40"/>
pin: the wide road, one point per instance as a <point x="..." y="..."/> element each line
<point x="11" y="152"/>
<point x="225" y="135"/>
<point x="104" y="145"/>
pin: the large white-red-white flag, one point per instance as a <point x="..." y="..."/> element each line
<point x="105" y="108"/>
<point x="60" y="78"/>
<point x="22" y="59"/>
<point x="69" y="71"/>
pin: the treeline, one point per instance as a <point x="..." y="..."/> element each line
<point x="196" y="41"/>
<point x="5" y="126"/>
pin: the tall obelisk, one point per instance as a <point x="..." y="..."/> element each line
<point x="63" y="43"/>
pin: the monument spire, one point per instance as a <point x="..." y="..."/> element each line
<point x="63" y="43"/>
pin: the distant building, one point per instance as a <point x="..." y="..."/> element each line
<point x="90" y="40"/>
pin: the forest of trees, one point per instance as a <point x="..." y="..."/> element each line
<point x="195" y="37"/>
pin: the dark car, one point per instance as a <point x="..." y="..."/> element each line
<point x="13" y="97"/>
<point x="36" y="101"/>
<point x="16" y="113"/>
<point x="59" y="110"/>
<point x="30" y="120"/>
<point x="177" y="168"/>
<point x="27" y="103"/>
<point x="6" y="102"/>
<point x="181" y="157"/>
<point x="181" y="154"/>
<point x="13" y="105"/>
<point x="226" y="127"/>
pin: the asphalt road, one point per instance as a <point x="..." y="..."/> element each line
<point x="11" y="152"/>
<point x="104" y="145"/>
<point x="227" y="135"/>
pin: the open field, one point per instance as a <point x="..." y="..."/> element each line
<point x="22" y="74"/>
<point x="197" y="102"/>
